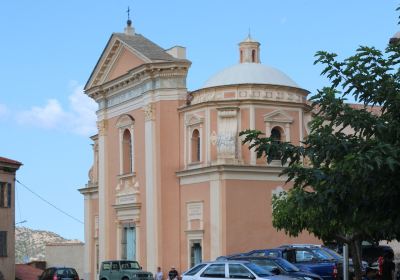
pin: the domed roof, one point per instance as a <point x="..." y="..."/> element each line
<point x="249" y="73"/>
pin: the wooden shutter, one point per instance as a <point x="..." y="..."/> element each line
<point x="2" y="187"/>
<point x="3" y="243"/>
<point x="8" y="195"/>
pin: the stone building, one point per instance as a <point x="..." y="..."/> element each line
<point x="8" y="168"/>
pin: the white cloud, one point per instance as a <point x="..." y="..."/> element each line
<point x="48" y="116"/>
<point x="79" y="118"/>
<point x="83" y="110"/>
<point x="3" y="111"/>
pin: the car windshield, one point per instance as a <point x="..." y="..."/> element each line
<point x="259" y="271"/>
<point x="129" y="265"/>
<point x="66" y="272"/>
<point x="287" y="266"/>
<point x="335" y="254"/>
<point x="321" y="254"/>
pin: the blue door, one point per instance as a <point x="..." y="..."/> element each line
<point x="130" y="243"/>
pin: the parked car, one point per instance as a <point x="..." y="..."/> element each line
<point x="59" y="273"/>
<point x="280" y="266"/>
<point x="222" y="270"/>
<point x="123" y="270"/>
<point x="371" y="253"/>
<point x="327" y="253"/>
<point x="303" y="258"/>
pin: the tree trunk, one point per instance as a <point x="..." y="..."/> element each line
<point x="355" y="247"/>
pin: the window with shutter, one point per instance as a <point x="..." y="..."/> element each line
<point x="5" y="195"/>
<point x="3" y="243"/>
<point x="2" y="190"/>
<point x="8" y="195"/>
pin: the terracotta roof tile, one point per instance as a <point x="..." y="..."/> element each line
<point x="27" y="272"/>
<point x="9" y="161"/>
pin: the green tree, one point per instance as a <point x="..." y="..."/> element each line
<point x="349" y="189"/>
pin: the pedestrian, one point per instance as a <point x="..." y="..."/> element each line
<point x="173" y="274"/>
<point x="159" y="274"/>
<point x="388" y="267"/>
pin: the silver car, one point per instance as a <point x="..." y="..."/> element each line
<point x="230" y="269"/>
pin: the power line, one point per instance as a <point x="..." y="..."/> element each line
<point x="51" y="204"/>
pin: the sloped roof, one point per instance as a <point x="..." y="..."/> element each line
<point x="9" y="161"/>
<point x="142" y="45"/>
<point x="146" y="47"/>
<point x="27" y="272"/>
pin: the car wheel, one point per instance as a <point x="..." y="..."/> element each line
<point x="125" y="278"/>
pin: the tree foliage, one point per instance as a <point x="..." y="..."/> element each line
<point x="349" y="190"/>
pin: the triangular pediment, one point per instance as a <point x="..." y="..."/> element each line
<point x="278" y="116"/>
<point x="116" y="60"/>
<point x="194" y="120"/>
<point x="125" y="60"/>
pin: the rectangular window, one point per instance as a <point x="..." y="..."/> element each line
<point x="5" y="195"/>
<point x="3" y="243"/>
<point x="195" y="253"/>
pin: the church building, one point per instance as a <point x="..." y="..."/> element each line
<point x="171" y="183"/>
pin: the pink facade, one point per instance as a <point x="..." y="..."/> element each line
<point x="171" y="184"/>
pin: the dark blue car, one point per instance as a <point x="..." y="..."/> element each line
<point x="279" y="266"/>
<point x="304" y="259"/>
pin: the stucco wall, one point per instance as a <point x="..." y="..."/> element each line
<point x="7" y="223"/>
<point x="66" y="254"/>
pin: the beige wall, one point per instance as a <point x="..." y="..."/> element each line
<point x="65" y="254"/>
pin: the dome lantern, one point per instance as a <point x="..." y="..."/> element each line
<point x="249" y="50"/>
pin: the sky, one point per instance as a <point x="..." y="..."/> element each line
<point x="49" y="49"/>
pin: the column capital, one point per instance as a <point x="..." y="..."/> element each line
<point x="102" y="127"/>
<point x="149" y="112"/>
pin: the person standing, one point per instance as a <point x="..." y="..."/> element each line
<point x="159" y="274"/>
<point x="173" y="274"/>
<point x="388" y="267"/>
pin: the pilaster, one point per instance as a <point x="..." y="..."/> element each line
<point x="103" y="196"/>
<point x="151" y="193"/>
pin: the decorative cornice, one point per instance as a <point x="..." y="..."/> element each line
<point x="225" y="172"/>
<point x="249" y="92"/>
<point x="89" y="190"/>
<point x="138" y="76"/>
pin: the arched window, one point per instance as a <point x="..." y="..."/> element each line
<point x="127" y="154"/>
<point x="276" y="136"/>
<point x="241" y="56"/>
<point x="195" y="145"/>
<point x="253" y="56"/>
